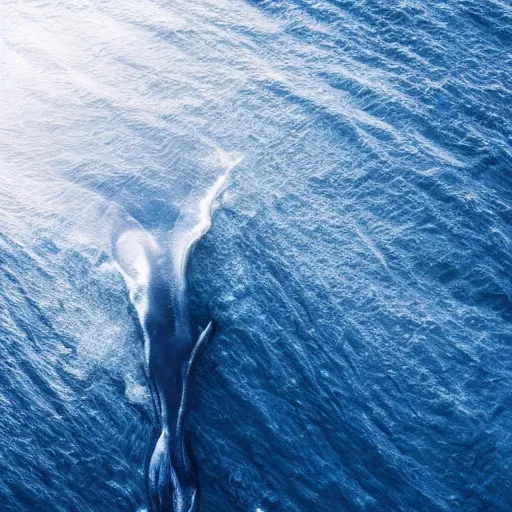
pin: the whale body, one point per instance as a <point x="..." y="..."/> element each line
<point x="155" y="274"/>
<point x="169" y="346"/>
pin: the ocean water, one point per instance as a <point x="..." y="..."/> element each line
<point x="357" y="270"/>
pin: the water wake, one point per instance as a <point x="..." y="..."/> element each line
<point x="155" y="274"/>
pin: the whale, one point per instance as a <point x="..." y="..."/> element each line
<point x="169" y="348"/>
<point x="154" y="268"/>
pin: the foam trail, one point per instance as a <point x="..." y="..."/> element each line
<point x="185" y="235"/>
<point x="156" y="280"/>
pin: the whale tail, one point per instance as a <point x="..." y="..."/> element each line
<point x="172" y="485"/>
<point x="172" y="482"/>
<point x="159" y="475"/>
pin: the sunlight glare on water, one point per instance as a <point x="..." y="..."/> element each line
<point x="357" y="269"/>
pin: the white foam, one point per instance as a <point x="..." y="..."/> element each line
<point x="134" y="248"/>
<point x="193" y="225"/>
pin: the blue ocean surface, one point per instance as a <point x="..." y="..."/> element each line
<point x="357" y="270"/>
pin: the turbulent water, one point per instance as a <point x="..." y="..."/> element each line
<point x="357" y="271"/>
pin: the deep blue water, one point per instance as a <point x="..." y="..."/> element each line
<point x="357" y="270"/>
